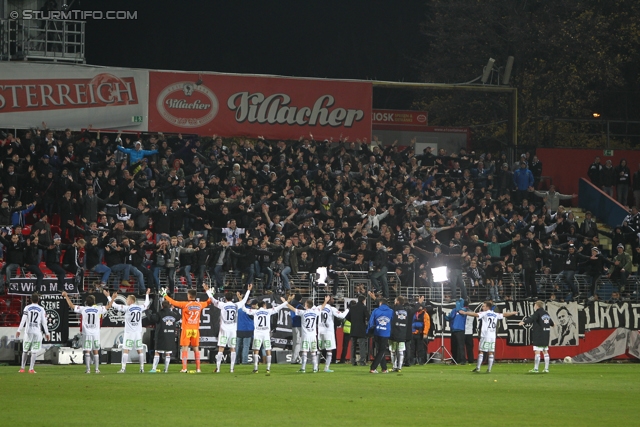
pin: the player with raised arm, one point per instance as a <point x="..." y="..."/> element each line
<point x="227" y="335"/>
<point x="327" y="332"/>
<point x="91" y="315"/>
<point x="132" y="329"/>
<point x="262" y="330"/>
<point x="540" y="335"/>
<point x="166" y="321"/>
<point x="309" y="316"/>
<point x="190" y="335"/>
<point x="34" y="320"/>
<point x="488" y="335"/>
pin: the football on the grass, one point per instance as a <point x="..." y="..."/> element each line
<point x="568" y="359"/>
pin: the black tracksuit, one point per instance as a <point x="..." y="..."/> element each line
<point x="541" y="330"/>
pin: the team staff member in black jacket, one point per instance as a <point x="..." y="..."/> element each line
<point x="359" y="317"/>
<point x="540" y="334"/>
<point x="166" y="321"/>
<point x="398" y="333"/>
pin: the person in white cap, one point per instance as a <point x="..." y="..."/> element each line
<point x="136" y="154"/>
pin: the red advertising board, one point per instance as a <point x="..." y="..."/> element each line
<point x="273" y="107"/>
<point x="400" y="118"/>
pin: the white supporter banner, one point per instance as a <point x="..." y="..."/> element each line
<point x="615" y="345"/>
<point x="633" y="343"/>
<point x="73" y="96"/>
<point x="566" y="331"/>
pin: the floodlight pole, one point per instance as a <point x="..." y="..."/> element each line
<point x="442" y="348"/>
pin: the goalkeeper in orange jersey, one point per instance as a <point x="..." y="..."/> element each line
<point x="190" y="335"/>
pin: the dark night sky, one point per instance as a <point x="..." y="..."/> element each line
<point x="335" y="39"/>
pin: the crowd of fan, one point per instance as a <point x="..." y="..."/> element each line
<point x="269" y="209"/>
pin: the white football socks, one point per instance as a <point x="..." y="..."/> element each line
<point x="546" y="362"/>
<point x="87" y="360"/>
<point x="536" y="362"/>
<point x="24" y="359"/>
<point x="490" y="361"/>
<point x="480" y="359"/>
<point x="125" y="358"/>
<point x="156" y="360"/>
<point x="233" y="359"/>
<point x="268" y="363"/>
<point x="328" y="359"/>
<point x="96" y="361"/>
<point x="304" y="360"/>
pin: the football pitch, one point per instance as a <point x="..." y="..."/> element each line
<point x="421" y="395"/>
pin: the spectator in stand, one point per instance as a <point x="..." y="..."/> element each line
<point x="589" y="227"/>
<point x="552" y="198"/>
<point x="623" y="176"/>
<point x="636" y="187"/>
<point x="115" y="259"/>
<point x="14" y="257"/>
<point x="594" y="172"/>
<point x="93" y="260"/>
<point x="608" y="178"/>
<point x="136" y="154"/>
<point x="523" y="180"/>
<point x="53" y="254"/>
<point x="536" y="170"/>
<point x="621" y="270"/>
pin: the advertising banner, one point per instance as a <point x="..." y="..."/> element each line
<point x="72" y="96"/>
<point x="273" y="107"/>
<point x="400" y="118"/>
<point x="28" y="285"/>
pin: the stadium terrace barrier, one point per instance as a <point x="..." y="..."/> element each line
<point x="600" y="204"/>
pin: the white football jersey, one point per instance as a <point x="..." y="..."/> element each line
<point x="34" y="320"/>
<point x="132" y="316"/>
<point x="229" y="312"/>
<point x="262" y="316"/>
<point x="309" y="320"/>
<point x="91" y="318"/>
<point x="489" y="324"/>
<point x="326" y="318"/>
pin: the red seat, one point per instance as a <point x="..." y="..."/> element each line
<point x="26" y="230"/>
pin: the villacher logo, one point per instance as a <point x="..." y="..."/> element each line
<point x="187" y="104"/>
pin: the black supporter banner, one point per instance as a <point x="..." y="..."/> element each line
<point x="57" y="318"/>
<point x="599" y="315"/>
<point x="27" y="286"/>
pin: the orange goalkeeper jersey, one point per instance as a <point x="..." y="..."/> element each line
<point x="190" y="311"/>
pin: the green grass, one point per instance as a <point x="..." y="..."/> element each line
<point x="423" y="395"/>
